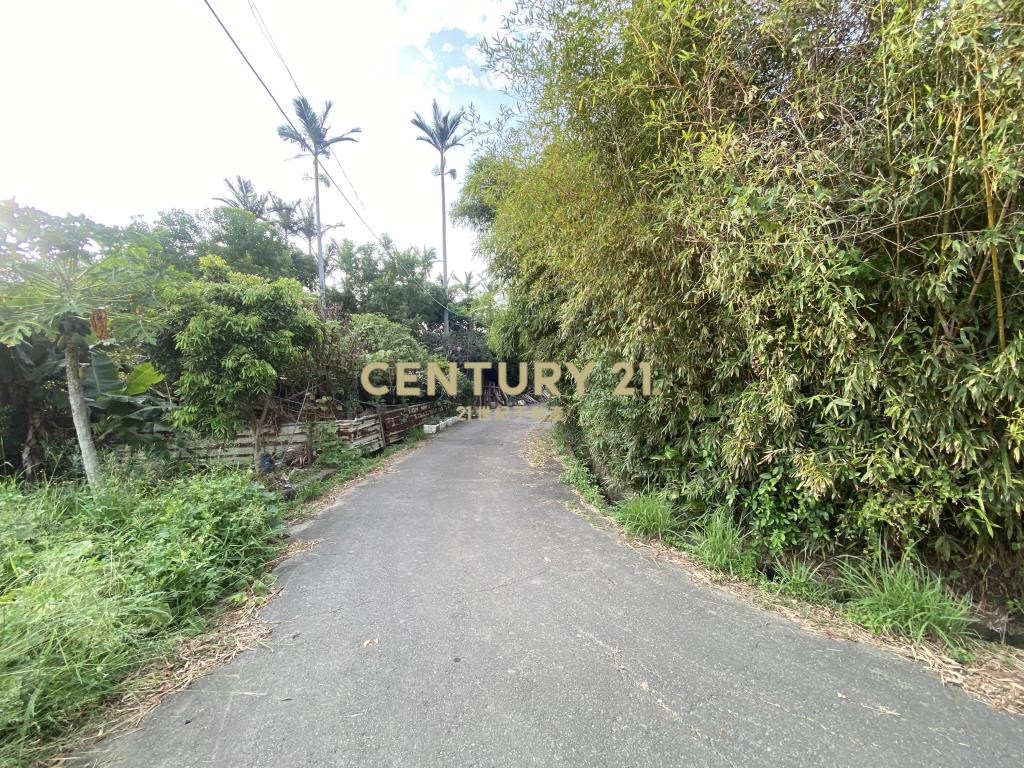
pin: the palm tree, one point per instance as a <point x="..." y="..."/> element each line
<point x="243" y="195"/>
<point x="312" y="137"/>
<point x="286" y="215"/>
<point x="442" y="134"/>
<point x="468" y="284"/>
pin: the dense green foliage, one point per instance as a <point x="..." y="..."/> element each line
<point x="378" y="278"/>
<point x="94" y="584"/>
<point x="227" y="340"/>
<point x="65" y="279"/>
<point x="808" y="218"/>
<point x="247" y="242"/>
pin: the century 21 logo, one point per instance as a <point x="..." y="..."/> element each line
<point x="408" y="378"/>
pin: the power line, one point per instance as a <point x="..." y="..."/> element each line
<point x="269" y="37"/>
<point x="289" y="120"/>
<point x="257" y="74"/>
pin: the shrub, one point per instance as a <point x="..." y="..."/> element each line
<point x="226" y="341"/>
<point x="903" y="597"/>
<point x="781" y="515"/>
<point x="333" y="452"/>
<point x="91" y="586"/>
<point x="648" y="514"/>
<point x="817" y="245"/>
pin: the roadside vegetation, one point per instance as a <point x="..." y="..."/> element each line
<point x="808" y="219"/>
<point x="120" y="347"/>
<point x="94" y="584"/>
<point x="901" y="597"/>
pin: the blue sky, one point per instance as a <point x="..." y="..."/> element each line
<point x="452" y="59"/>
<point x="121" y="108"/>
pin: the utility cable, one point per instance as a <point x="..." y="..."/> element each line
<point x="288" y="119"/>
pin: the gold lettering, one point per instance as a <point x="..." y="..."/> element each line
<point x="521" y="384"/>
<point x="369" y="386"/>
<point x="406" y="376"/>
<point x="549" y="379"/>
<point x="478" y="376"/>
<point x="449" y="383"/>
<point x="580" y="377"/>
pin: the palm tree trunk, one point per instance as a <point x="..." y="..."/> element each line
<point x="321" y="270"/>
<point x="80" y="416"/>
<point x="444" y="258"/>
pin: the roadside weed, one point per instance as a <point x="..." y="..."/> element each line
<point x="647" y="514"/>
<point x="800" y="578"/>
<point x="723" y="546"/>
<point x="903" y="597"/>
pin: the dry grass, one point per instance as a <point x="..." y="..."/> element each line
<point x="995" y="676"/>
<point x="538" y="448"/>
<point x="237" y="630"/>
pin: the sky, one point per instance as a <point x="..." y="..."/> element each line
<point x="117" y="108"/>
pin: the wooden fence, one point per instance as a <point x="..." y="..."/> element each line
<point x="295" y="442"/>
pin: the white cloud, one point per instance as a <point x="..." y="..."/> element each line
<point x="462" y="74"/>
<point x="474" y="55"/>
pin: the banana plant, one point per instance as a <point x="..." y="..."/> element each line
<point x="128" y="410"/>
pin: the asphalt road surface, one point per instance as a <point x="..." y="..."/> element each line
<point x="457" y="612"/>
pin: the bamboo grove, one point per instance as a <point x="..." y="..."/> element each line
<point x="808" y="216"/>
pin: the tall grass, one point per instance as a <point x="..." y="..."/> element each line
<point x="802" y="578"/>
<point x="647" y="514"/>
<point x="723" y="545"/>
<point x="93" y="585"/>
<point x="904" y="597"/>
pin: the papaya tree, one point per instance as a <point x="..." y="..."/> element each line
<point x="69" y="280"/>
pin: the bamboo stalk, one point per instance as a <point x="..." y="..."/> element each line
<point x="990" y="207"/>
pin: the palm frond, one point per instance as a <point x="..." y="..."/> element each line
<point x="442" y="133"/>
<point x="312" y="133"/>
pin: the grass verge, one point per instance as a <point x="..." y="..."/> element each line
<point x="93" y="585"/>
<point x="899" y="607"/>
<point x="904" y="598"/>
<point x="648" y="515"/>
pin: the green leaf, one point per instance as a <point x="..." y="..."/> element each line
<point x="101" y="377"/>
<point x="142" y="377"/>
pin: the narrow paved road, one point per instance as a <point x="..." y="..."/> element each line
<point x="506" y="630"/>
